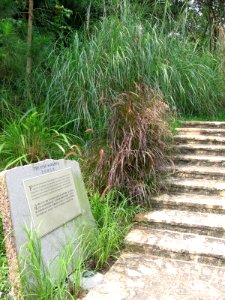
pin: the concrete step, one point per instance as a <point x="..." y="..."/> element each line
<point x="200" y="149"/>
<point x="178" y="245"/>
<point x="186" y="221"/>
<point x="197" y="172"/>
<point x="191" y="131"/>
<point x="197" y="186"/>
<point x="199" y="139"/>
<point x="203" y="124"/>
<point x="147" y="277"/>
<point x="199" y="160"/>
<point x="188" y="201"/>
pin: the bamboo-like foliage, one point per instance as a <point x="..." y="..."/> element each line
<point x="123" y="49"/>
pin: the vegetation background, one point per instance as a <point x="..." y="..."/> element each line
<point x="99" y="81"/>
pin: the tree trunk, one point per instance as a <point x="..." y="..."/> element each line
<point x="29" y="40"/>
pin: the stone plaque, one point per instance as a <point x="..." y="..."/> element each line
<point x="52" y="199"/>
<point x="49" y="196"/>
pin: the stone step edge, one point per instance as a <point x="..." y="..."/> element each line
<point x="207" y="138"/>
<point x="193" y="173"/>
<point x="193" y="184"/>
<point x="200" y="129"/>
<point x="186" y="202"/>
<point x="187" y="251"/>
<point x="200" y="158"/>
<point x="197" y="129"/>
<point x="212" y="123"/>
<point x="200" y="147"/>
<point x="189" y="221"/>
<point x="195" y="170"/>
<point x="178" y="188"/>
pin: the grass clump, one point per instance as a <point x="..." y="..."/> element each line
<point x="113" y="215"/>
<point x="136" y="146"/>
<point x="30" y="138"/>
<point x="41" y="281"/>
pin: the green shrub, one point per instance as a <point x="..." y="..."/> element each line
<point x="130" y="44"/>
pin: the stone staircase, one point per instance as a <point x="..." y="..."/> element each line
<point x="188" y="221"/>
<point x="184" y="235"/>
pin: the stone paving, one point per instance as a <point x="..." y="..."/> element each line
<point x="177" y="251"/>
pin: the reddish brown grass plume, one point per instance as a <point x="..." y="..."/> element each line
<point x="137" y="144"/>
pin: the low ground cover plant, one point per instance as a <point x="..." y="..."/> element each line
<point x="114" y="215"/>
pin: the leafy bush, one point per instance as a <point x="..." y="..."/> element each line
<point x="30" y="139"/>
<point x="131" y="43"/>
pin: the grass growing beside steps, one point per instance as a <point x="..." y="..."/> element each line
<point x="113" y="215"/>
<point x="219" y="118"/>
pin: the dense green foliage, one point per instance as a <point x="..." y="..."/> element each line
<point x="84" y="55"/>
<point x="86" y="50"/>
<point x="87" y="58"/>
<point x="119" y="54"/>
<point x="114" y="215"/>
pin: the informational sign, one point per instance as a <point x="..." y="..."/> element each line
<point x="52" y="199"/>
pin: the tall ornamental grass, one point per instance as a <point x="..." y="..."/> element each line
<point x="136" y="148"/>
<point x="123" y="49"/>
